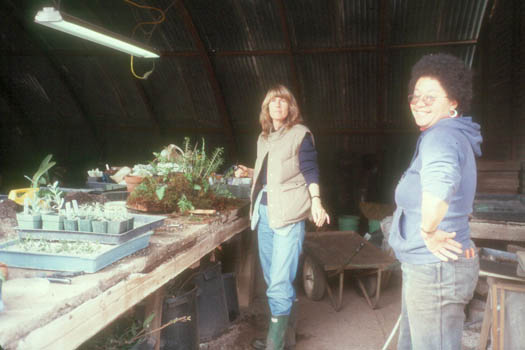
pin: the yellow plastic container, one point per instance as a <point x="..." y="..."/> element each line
<point x="21" y="194"/>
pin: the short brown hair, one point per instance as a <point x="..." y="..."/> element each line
<point x="294" y="115"/>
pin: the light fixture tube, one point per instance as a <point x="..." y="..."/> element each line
<point x="55" y="19"/>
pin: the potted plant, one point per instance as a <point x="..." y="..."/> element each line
<point x="139" y="172"/>
<point x="117" y="221"/>
<point x="30" y="218"/>
<point x="52" y="219"/>
<point x="95" y="175"/>
<point x="85" y="218"/>
<point x="71" y="220"/>
<point x="99" y="222"/>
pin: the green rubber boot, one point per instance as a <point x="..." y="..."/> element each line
<point x="276" y="332"/>
<point x="289" y="338"/>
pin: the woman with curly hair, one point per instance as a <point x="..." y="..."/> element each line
<point x="430" y="231"/>
<point x="285" y="192"/>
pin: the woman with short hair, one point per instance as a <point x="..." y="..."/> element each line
<point x="430" y="231"/>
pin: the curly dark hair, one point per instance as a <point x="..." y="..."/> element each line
<point x="451" y="72"/>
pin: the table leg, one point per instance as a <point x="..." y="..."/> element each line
<point x="487" y="319"/>
<point x="154" y="305"/>
<point x="245" y="269"/>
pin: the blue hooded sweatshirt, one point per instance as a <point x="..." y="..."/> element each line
<point x="444" y="165"/>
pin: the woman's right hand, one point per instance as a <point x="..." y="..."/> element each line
<point x="442" y="244"/>
<point x="243" y="171"/>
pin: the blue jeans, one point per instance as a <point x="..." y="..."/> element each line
<point x="279" y="255"/>
<point x="433" y="301"/>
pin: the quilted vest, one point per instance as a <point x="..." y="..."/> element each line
<point x="288" y="195"/>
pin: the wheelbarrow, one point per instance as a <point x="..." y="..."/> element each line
<point x="329" y="254"/>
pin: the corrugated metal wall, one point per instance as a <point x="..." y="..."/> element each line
<point x="348" y="61"/>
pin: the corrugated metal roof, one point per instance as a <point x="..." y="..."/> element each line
<point x="327" y="24"/>
<point x="181" y="94"/>
<point x="245" y="81"/>
<point x="341" y="89"/>
<point x="237" y="24"/>
<point x="342" y="57"/>
<point x="430" y="20"/>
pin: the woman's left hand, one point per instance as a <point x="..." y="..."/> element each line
<point x="319" y="215"/>
<point x="442" y="244"/>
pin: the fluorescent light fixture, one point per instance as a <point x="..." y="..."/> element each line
<point x="55" y="19"/>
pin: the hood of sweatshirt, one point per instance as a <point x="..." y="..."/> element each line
<point x="469" y="128"/>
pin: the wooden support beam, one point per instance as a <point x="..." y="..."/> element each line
<point x="249" y="53"/>
<point x="506" y="231"/>
<point x="219" y="97"/>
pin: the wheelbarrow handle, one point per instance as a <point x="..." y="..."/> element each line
<point x="342" y="267"/>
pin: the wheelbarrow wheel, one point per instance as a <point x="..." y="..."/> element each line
<point x="314" y="282"/>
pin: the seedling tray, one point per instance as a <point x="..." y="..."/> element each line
<point x="104" y="186"/>
<point x="142" y="224"/>
<point x="71" y="263"/>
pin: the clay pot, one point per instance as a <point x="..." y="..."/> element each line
<point x="133" y="181"/>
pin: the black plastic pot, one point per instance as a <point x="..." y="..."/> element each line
<point x="180" y="335"/>
<point x="230" y="290"/>
<point x="212" y="310"/>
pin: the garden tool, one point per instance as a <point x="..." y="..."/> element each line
<point x="60" y="277"/>
<point x="19" y="195"/>
<point x="394" y="330"/>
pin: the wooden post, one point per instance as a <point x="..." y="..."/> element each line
<point x="245" y="269"/>
<point x="487" y="318"/>
<point x="154" y="305"/>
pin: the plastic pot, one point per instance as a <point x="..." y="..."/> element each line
<point x="85" y="225"/>
<point x="52" y="222"/>
<point x="29" y="221"/>
<point x="71" y="225"/>
<point x="117" y="226"/>
<point x="100" y="226"/>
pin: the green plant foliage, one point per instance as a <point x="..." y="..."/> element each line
<point x="188" y="188"/>
<point x="184" y="204"/>
<point x="39" y="177"/>
<point x="197" y="166"/>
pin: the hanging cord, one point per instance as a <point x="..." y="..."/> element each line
<point x="160" y="19"/>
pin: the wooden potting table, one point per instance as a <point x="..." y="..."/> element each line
<point x="329" y="254"/>
<point x="60" y="316"/>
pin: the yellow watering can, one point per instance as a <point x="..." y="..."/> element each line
<point x="21" y="194"/>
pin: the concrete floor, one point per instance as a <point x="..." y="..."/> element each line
<point x="355" y="326"/>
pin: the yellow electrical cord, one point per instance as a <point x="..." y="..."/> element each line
<point x="155" y="22"/>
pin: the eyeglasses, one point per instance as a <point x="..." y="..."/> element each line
<point x="427" y="99"/>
